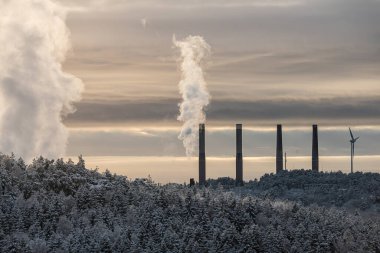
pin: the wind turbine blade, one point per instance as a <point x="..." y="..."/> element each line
<point x="357" y="138"/>
<point x="353" y="149"/>
<point x="352" y="136"/>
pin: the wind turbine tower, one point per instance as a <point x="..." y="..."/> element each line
<point x="353" y="140"/>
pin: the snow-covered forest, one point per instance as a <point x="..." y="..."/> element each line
<point x="352" y="192"/>
<point x="57" y="206"/>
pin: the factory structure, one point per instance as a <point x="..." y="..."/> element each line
<point x="239" y="153"/>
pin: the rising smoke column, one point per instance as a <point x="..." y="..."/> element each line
<point x="34" y="91"/>
<point x="193" y="89"/>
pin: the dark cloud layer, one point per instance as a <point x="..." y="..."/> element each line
<point x="328" y="111"/>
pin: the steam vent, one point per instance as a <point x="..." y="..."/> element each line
<point x="239" y="154"/>
<point x="315" y="153"/>
<point x="202" y="155"/>
<point x="279" y="151"/>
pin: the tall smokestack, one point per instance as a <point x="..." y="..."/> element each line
<point x="279" y="152"/>
<point x="315" y="153"/>
<point x="239" y="154"/>
<point x="202" y="155"/>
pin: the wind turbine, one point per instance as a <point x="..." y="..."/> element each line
<point x="353" y="140"/>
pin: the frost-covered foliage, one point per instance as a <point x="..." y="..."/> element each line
<point x="63" y="207"/>
<point x="357" y="191"/>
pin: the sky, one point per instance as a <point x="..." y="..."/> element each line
<point x="296" y="63"/>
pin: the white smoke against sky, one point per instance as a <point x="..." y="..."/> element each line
<point x="144" y="22"/>
<point x="35" y="93"/>
<point x="193" y="89"/>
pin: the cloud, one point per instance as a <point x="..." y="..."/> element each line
<point x="327" y="111"/>
<point x="315" y="49"/>
<point x="86" y="5"/>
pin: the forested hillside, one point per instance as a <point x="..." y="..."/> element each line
<point x="353" y="192"/>
<point x="53" y="206"/>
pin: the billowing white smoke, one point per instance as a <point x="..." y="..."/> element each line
<point x="193" y="89"/>
<point x="34" y="91"/>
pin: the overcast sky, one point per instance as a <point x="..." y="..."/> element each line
<point x="295" y="62"/>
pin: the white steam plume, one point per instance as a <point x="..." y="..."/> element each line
<point x="34" y="91"/>
<point x="193" y="89"/>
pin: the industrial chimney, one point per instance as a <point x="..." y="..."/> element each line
<point x="315" y="153"/>
<point x="239" y="154"/>
<point x="202" y="155"/>
<point x="279" y="152"/>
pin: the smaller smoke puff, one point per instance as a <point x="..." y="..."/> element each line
<point x="193" y="89"/>
<point x="144" y="22"/>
